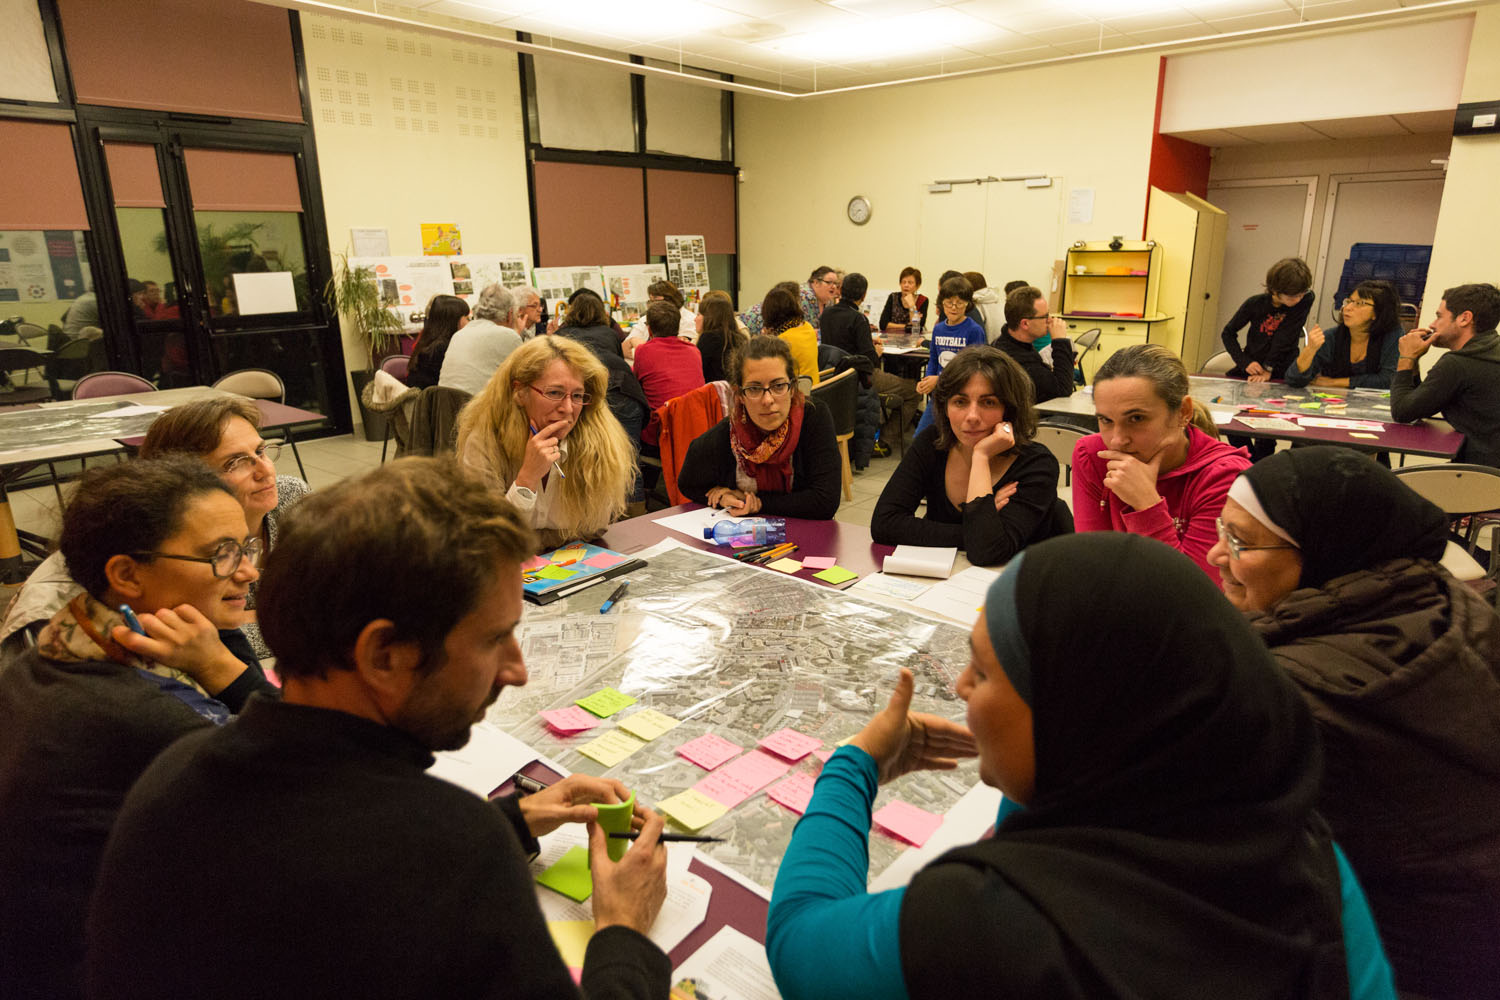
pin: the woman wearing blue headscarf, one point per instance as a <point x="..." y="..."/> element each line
<point x="1167" y="846"/>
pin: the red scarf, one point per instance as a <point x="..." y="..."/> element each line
<point x="767" y="457"/>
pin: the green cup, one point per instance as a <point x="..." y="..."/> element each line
<point x="616" y="819"/>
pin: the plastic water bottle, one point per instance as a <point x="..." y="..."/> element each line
<point x="748" y="531"/>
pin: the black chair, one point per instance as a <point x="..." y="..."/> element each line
<point x="840" y="395"/>
<point x="21" y="359"/>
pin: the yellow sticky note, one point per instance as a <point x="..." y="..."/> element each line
<point x="572" y="939"/>
<point x="611" y="748"/>
<point x="647" y="724"/>
<point x="1361" y="434"/>
<point x="785" y="565"/>
<point x="606" y="702"/>
<point x="569" y="555"/>
<point x="692" y="810"/>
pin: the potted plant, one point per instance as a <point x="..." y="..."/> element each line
<point x="354" y="293"/>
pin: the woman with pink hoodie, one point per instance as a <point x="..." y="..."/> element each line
<point x="1157" y="466"/>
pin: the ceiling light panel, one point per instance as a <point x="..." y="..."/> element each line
<point x="870" y="40"/>
<point x="642" y="19"/>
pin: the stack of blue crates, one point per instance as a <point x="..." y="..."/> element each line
<point x="1402" y="264"/>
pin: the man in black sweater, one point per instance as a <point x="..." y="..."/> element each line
<point x="308" y="836"/>
<point x="1464" y="384"/>
<point x="845" y="327"/>
<point x="1026" y="320"/>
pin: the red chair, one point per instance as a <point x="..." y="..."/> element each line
<point x="110" y="384"/>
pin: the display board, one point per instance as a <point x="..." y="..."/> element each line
<point x="628" y="286"/>
<point x="687" y="266"/>
<point x="407" y="283"/>
<point x="557" y="283"/>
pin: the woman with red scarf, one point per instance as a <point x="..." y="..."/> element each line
<point x="775" y="453"/>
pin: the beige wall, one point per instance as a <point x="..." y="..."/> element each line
<point x="1088" y="124"/>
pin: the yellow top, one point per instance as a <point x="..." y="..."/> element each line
<point x="803" y="341"/>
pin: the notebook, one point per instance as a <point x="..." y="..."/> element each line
<point x="920" y="560"/>
<point x="570" y="568"/>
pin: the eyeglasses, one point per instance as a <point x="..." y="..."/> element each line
<point x="830" y="281"/>
<point x="226" y="558"/>
<point x="1043" y="318"/>
<point x="1236" y="547"/>
<point x="241" y="464"/>
<point x="554" y="396"/>
<point x="776" y="389"/>
<point x="1359" y="302"/>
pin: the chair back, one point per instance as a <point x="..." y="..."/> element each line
<point x="1455" y="487"/>
<point x="30" y="331"/>
<point x="257" y="383"/>
<point x="110" y="384"/>
<point x="1219" y="364"/>
<point x="1085" y="342"/>
<point x="840" y="395"/>
<point x="682" y="420"/>
<point x="398" y="366"/>
<point x="1059" y="438"/>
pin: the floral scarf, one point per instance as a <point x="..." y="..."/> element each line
<point x="79" y="633"/>
<point x="766" y="458"/>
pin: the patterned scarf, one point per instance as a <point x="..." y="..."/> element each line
<point x="786" y="325"/>
<point x="79" y="633"/>
<point x="765" y="457"/>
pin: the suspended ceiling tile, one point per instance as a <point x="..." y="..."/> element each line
<point x="1345" y="8"/>
<point x="1214" y="137"/>
<point x="1174" y="18"/>
<point x="1284" y="132"/>
<point x="1359" y="128"/>
<point x="1425" y="122"/>
<point x="1029" y="21"/>
<point x="1274" y="19"/>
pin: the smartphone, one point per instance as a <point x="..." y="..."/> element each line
<point x="131" y="620"/>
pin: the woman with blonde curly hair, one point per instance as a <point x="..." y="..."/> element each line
<point x="542" y="431"/>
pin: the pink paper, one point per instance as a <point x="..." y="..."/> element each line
<point x="742" y="779"/>
<point x="603" y="560"/>
<point x="790" y="744"/>
<point x="794" y="793"/>
<point x="708" y="751"/>
<point x="577" y="974"/>
<point x="823" y="755"/>
<point x="819" y="562"/>
<point x="570" y="720"/>
<point x="904" y="820"/>
<point x="535" y="562"/>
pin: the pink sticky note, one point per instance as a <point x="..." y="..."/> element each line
<point x="603" y="560"/>
<point x="570" y="720"/>
<point x="794" y="793"/>
<point x="576" y="973"/>
<point x="819" y="562"/>
<point x="790" y="744"/>
<point x="535" y="562"/>
<point x="733" y="784"/>
<point x="708" y="751"/>
<point x="823" y="755"/>
<point x="904" y="820"/>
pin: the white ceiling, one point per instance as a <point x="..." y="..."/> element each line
<point x="802" y="46"/>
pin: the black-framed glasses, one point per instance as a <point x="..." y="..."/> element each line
<point x="225" y="560"/>
<point x="776" y="389"/>
<point x="554" y="396"/>
<point x="241" y="464"/>
<point x="1044" y="318"/>
<point x="1236" y="546"/>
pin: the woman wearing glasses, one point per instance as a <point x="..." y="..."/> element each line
<point x="776" y="453"/>
<point x="542" y="431"/>
<point x="1336" y="562"/>
<point x="84" y="712"/>
<point x="1361" y="351"/>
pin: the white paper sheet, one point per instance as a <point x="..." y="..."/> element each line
<point x="139" y="410"/>
<point x="960" y="596"/>
<point x="264" y="292"/>
<point x="693" y="522"/>
<point x="730" y="966"/>
<point x="490" y="757"/>
<point x="892" y="586"/>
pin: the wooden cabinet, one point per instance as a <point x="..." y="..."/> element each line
<point x="1114" y="290"/>
<point x="1190" y="233"/>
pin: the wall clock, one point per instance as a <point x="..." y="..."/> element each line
<point x="859" y="210"/>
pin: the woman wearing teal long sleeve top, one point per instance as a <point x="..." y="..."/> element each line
<point x="1169" y="846"/>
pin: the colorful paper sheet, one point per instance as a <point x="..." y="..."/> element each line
<point x="819" y="562"/>
<point x="570" y="720"/>
<point x="570" y="875"/>
<point x="569" y="555"/>
<point x="535" y="562"/>
<point x="647" y="724"/>
<point x="790" y="744"/>
<point x="604" y="560"/>
<point x="691" y="810"/>
<point x="785" y="565"/>
<point x="904" y="820"/>
<point x="708" y="751"/>
<point x="794" y="793"/>
<point x="836" y="575"/>
<point x="734" y="783"/>
<point x="611" y="748"/>
<point x="555" y="573"/>
<point x="606" y="702"/>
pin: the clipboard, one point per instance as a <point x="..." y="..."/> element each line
<point x="566" y="570"/>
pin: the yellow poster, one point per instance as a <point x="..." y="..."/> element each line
<point x="441" y="239"/>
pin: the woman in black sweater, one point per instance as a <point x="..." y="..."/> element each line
<point x="990" y="489"/>
<point x="775" y="454"/>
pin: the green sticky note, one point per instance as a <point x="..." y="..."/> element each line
<point x="836" y="575"/>
<point x="605" y="702"/>
<point x="1311" y="406"/>
<point x="555" y="573"/>
<point x="570" y="875"/>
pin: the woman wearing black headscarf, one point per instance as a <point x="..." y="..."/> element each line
<point x="1336" y="560"/>
<point x="1168" y="847"/>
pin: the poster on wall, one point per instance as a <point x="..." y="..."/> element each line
<point x="874" y="303"/>
<point x="26" y="268"/>
<point x="441" y="239"/>
<point x="628" y="284"/>
<point x="557" y="283"/>
<point x="406" y="284"/>
<point x="687" y="266"/>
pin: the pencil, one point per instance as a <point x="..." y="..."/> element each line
<point x="671" y="838"/>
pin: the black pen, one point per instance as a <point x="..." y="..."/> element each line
<point x="671" y="838"/>
<point x="610" y="602"/>
<point x="753" y="551"/>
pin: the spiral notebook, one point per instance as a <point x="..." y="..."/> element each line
<point x="570" y="568"/>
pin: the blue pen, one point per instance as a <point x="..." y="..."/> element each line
<point x="131" y="620"/>
<point x="603" y="608"/>
<point x="557" y="468"/>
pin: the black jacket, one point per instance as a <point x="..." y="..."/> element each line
<point x="1051" y="382"/>
<point x="816" y="469"/>
<point x="846" y="328"/>
<point x="1272" y="337"/>
<point x="1464" y="385"/>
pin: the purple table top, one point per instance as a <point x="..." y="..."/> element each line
<point x="849" y="543"/>
<point x="273" y="416"/>
<point x="1412" y="439"/>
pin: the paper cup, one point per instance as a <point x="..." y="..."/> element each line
<point x="616" y="819"/>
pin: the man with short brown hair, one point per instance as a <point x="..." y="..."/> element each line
<point x="1026" y="320"/>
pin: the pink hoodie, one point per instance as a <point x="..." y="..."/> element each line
<point x="1192" y="496"/>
